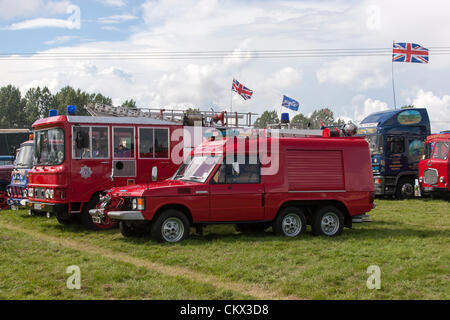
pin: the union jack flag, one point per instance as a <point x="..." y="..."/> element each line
<point x="409" y="52"/>
<point x="244" y="92"/>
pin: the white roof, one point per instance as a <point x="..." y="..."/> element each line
<point x="119" y="120"/>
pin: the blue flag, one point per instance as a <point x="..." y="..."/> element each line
<point x="290" y="103"/>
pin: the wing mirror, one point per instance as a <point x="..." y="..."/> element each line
<point x="154" y="174"/>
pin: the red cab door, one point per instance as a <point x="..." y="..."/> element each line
<point x="237" y="196"/>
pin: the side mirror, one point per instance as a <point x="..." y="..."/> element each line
<point x="155" y="174"/>
<point x="236" y="170"/>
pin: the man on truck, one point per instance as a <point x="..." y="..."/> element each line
<point x="256" y="182"/>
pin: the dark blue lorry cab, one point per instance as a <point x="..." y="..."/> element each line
<point x="396" y="140"/>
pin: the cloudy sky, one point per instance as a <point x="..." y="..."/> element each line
<point x="351" y="86"/>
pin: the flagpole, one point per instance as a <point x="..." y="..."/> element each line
<point x="393" y="83"/>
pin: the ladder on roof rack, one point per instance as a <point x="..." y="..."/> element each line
<point x="208" y="118"/>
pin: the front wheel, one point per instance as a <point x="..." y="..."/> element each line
<point x="291" y="222"/>
<point x="327" y="221"/>
<point x="170" y="226"/>
<point x="405" y="189"/>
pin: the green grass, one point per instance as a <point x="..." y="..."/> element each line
<point x="409" y="240"/>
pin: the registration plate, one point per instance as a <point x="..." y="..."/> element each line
<point x="14" y="208"/>
<point x="37" y="206"/>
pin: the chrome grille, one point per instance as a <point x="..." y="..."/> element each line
<point x="431" y="176"/>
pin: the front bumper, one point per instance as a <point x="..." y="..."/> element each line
<point x="99" y="216"/>
<point x="46" y="207"/>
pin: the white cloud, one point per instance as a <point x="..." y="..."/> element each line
<point x="113" y="3"/>
<point x="117" y="19"/>
<point x="61" y="40"/>
<point x="438" y="109"/>
<point x="360" y="72"/>
<point x="72" y="22"/>
<point x="19" y="8"/>
<point x="213" y="25"/>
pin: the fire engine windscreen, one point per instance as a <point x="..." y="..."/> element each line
<point x="49" y="147"/>
<point x="24" y="158"/>
<point x="198" y="169"/>
<point x="375" y="143"/>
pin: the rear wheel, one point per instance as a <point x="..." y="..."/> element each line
<point x="291" y="222"/>
<point x="327" y="221"/>
<point x="86" y="218"/>
<point x="171" y="226"/>
<point x="405" y="188"/>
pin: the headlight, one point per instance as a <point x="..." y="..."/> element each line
<point x="420" y="179"/>
<point x="138" y="204"/>
<point x="25" y="193"/>
<point x="51" y="194"/>
<point x="30" y="192"/>
<point x="441" y="179"/>
<point x="47" y="193"/>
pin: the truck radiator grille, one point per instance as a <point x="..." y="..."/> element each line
<point x="431" y="176"/>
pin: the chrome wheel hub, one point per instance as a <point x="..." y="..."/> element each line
<point x="172" y="229"/>
<point x="291" y="225"/>
<point x="330" y="223"/>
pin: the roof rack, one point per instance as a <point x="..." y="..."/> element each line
<point x="187" y="117"/>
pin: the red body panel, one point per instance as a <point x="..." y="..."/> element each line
<point x="440" y="165"/>
<point x="345" y="160"/>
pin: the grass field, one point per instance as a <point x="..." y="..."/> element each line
<point x="409" y="240"/>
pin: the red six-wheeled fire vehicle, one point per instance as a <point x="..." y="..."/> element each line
<point x="259" y="182"/>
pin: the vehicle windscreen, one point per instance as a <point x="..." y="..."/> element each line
<point x="440" y="150"/>
<point x="49" y="147"/>
<point x="24" y="158"/>
<point x="198" y="169"/>
<point x="375" y="143"/>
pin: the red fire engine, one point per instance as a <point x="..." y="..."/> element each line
<point x="434" y="169"/>
<point x="78" y="157"/>
<point x="323" y="182"/>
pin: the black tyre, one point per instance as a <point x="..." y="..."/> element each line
<point x="171" y="226"/>
<point x="133" y="230"/>
<point x="327" y="221"/>
<point x="63" y="221"/>
<point x="405" y="189"/>
<point x="86" y="218"/>
<point x="290" y="222"/>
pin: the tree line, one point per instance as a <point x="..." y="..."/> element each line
<point x="21" y="112"/>
<point x="300" y="121"/>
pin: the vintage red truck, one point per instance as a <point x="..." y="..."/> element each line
<point x="78" y="157"/>
<point x="282" y="182"/>
<point x="434" y="169"/>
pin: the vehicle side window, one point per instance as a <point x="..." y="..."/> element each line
<point x="100" y="146"/>
<point x="395" y="144"/>
<point x="78" y="133"/>
<point x="248" y="173"/>
<point x="161" y="143"/>
<point x="123" y="143"/>
<point x="153" y="143"/>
